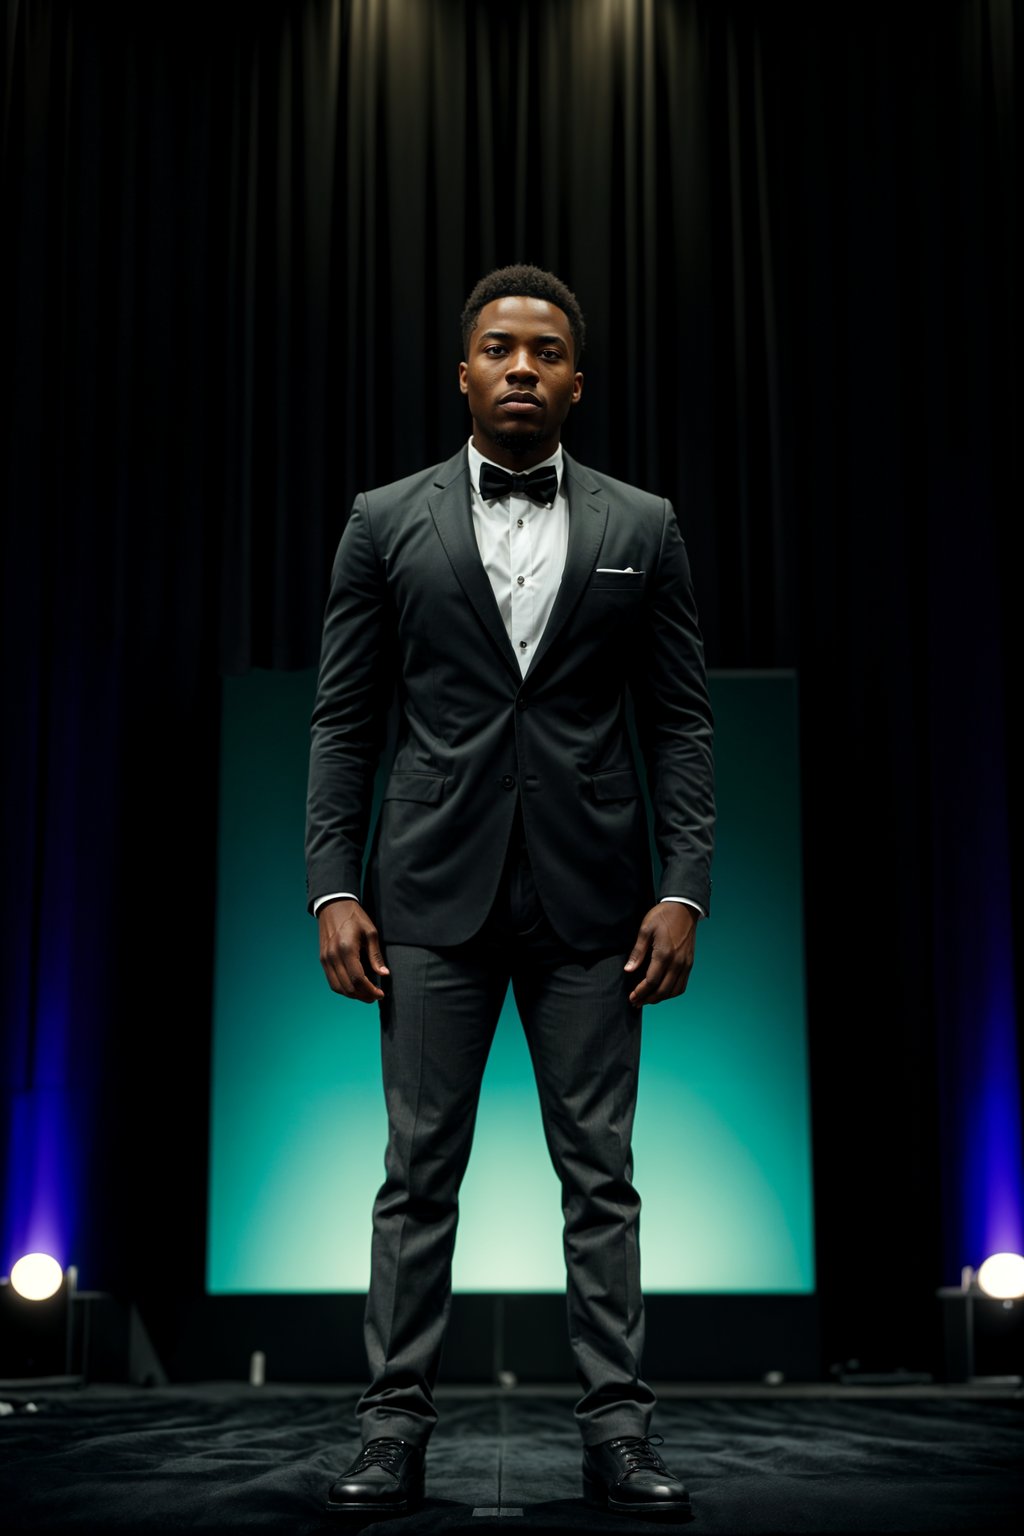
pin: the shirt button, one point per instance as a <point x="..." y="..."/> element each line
<point x="520" y="580"/>
<point x="522" y="645"/>
<point x="508" y="782"/>
<point x="519" y="522"/>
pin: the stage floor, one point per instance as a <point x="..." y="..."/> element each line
<point x="221" y="1457"/>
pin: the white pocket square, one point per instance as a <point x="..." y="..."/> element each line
<point x="617" y="570"/>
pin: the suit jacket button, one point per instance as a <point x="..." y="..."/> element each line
<point x="521" y="701"/>
<point x="508" y="782"/>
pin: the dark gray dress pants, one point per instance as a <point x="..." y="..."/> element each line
<point x="438" y="1020"/>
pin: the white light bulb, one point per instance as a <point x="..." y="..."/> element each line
<point x="36" y="1276"/>
<point x="1002" y="1276"/>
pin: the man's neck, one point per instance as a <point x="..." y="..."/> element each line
<point x="513" y="459"/>
<point x="554" y="458"/>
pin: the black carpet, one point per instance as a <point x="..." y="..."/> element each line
<point x="225" y="1458"/>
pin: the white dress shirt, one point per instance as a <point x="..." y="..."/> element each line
<point x="522" y="546"/>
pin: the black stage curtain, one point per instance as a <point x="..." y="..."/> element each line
<point x="237" y="239"/>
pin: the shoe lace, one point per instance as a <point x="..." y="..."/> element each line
<point x="380" y="1453"/>
<point x="639" y="1453"/>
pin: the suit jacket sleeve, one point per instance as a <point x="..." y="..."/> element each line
<point x="675" y="726"/>
<point x="355" y="685"/>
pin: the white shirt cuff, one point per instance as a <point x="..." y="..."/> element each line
<point x="334" y="896"/>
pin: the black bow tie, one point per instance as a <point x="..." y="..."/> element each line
<point x="540" y="484"/>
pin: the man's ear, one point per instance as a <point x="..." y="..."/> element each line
<point x="462" y="379"/>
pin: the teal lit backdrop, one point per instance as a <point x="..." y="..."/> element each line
<point x="297" y="1134"/>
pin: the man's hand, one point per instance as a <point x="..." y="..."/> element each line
<point x="349" y="949"/>
<point x="667" y="938"/>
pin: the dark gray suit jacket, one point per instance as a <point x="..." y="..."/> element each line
<point x="411" y="625"/>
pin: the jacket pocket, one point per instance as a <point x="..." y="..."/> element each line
<point x="618" y="784"/>
<point x="631" y="582"/>
<point x="427" y="788"/>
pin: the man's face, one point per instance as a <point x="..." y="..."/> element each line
<point x="519" y="380"/>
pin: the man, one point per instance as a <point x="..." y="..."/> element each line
<point x="515" y="606"/>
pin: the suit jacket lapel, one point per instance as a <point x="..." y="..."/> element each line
<point x="451" y="509"/>
<point x="588" y="514"/>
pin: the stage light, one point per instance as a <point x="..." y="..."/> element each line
<point x="981" y="1319"/>
<point x="1002" y="1276"/>
<point x="36" y="1276"/>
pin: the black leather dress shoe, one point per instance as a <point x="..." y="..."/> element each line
<point x="627" y="1476"/>
<point x="386" y="1477"/>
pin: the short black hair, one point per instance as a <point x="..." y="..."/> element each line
<point x="529" y="282"/>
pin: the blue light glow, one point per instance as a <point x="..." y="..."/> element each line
<point x="995" y="1189"/>
<point x="38" y="1197"/>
